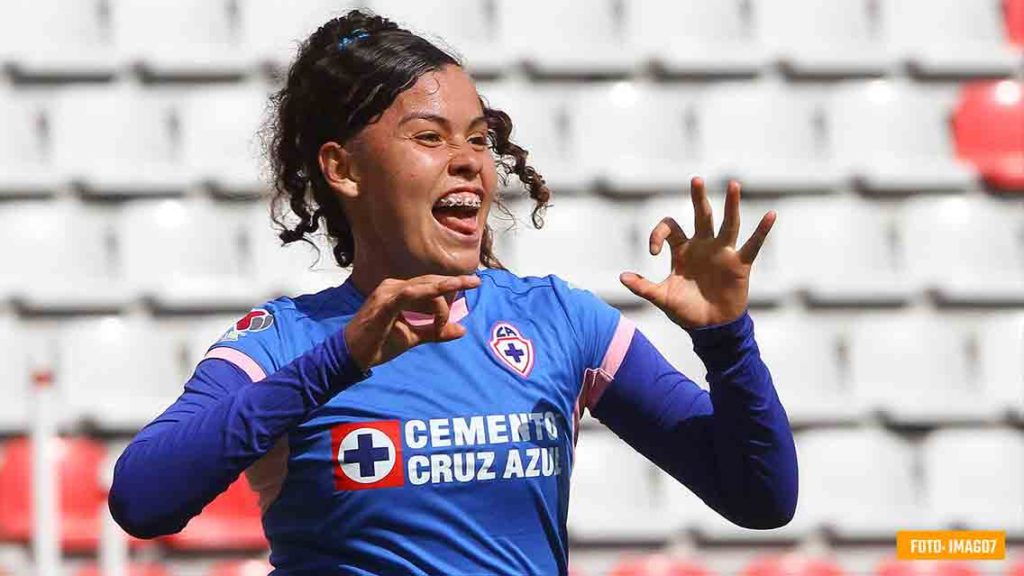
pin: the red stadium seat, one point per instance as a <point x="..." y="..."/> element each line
<point x="792" y="565"/>
<point x="241" y="568"/>
<point x="230" y="522"/>
<point x="133" y="570"/>
<point x="1013" y="13"/>
<point x="894" y="567"/>
<point x="1016" y="568"/>
<point x="989" y="130"/>
<point x="82" y="492"/>
<point x="658" y="565"/>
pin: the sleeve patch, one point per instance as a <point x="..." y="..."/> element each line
<point x="257" y="320"/>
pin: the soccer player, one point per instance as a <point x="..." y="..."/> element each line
<point x="420" y="418"/>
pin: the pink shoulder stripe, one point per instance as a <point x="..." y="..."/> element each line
<point x="597" y="380"/>
<point x="456" y="312"/>
<point x="240" y="359"/>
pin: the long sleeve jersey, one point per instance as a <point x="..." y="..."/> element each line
<point x="453" y="458"/>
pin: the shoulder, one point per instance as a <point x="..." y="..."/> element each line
<point x="512" y="284"/>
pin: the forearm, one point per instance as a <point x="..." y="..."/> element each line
<point x="215" y="430"/>
<point x="732" y="447"/>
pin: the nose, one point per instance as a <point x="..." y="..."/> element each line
<point x="464" y="161"/>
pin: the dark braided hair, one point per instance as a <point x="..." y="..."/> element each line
<point x="331" y="94"/>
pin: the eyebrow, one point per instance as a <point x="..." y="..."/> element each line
<point x="436" y="118"/>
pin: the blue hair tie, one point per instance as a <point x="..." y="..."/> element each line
<point x="355" y="35"/>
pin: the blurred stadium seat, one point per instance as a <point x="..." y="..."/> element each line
<point x="629" y="508"/>
<point x="659" y="565"/>
<point x="149" y="374"/>
<point x="894" y="567"/>
<point x="974" y="479"/>
<point x="544" y="126"/>
<point x="241" y="568"/>
<point x="951" y="37"/>
<point x="63" y="252"/>
<point x="839" y="37"/>
<point x="220" y="138"/>
<point x="186" y="255"/>
<point x="989" y="128"/>
<point x="792" y="564"/>
<point x="858" y="482"/>
<point x="137" y="154"/>
<point x="27" y="39"/>
<point x="1013" y="15"/>
<point x="15" y="385"/>
<point x="178" y="38"/>
<point x="689" y="37"/>
<point x="467" y="26"/>
<point x="636" y="136"/>
<point x="230" y="522"/>
<point x="594" y="44"/>
<point x="82" y="492"/>
<point x="894" y="136"/>
<point x="133" y="569"/>
<point x="815" y="231"/>
<point x="1000" y="338"/>
<point x="933" y="381"/>
<point x="577" y="221"/>
<point x="942" y="252"/>
<point x="272" y="29"/>
<point x="25" y="166"/>
<point x="769" y="136"/>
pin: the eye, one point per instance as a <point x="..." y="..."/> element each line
<point x="429" y="137"/>
<point x="479" y="140"/>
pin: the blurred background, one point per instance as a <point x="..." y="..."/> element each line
<point x="888" y="301"/>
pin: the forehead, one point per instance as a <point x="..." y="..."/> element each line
<point x="448" y="92"/>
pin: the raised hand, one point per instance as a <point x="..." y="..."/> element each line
<point x="709" y="279"/>
<point x="378" y="332"/>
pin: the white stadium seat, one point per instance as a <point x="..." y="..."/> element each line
<point x="1000" y="340"/>
<point x="973" y="478"/>
<point x="186" y="255"/>
<point x="292" y="269"/>
<point x="15" y="384"/>
<point x="614" y="506"/>
<point x="466" y="26"/>
<point x="62" y="255"/>
<point x="769" y="136"/>
<point x="542" y="124"/>
<point x="837" y="37"/>
<point x="767" y="284"/>
<point x="118" y="373"/>
<point x="25" y="166"/>
<point x="914" y="368"/>
<point x="57" y="39"/>
<point x="841" y="250"/>
<point x="943" y="252"/>
<point x="595" y="43"/>
<point x="696" y="36"/>
<point x="116" y="140"/>
<point x="896" y="137"/>
<point x="273" y="29"/>
<point x="586" y="241"/>
<point x="220" y="137"/>
<point x="859" y="482"/>
<point x="803" y="354"/>
<point x="178" y="38"/>
<point x="635" y="136"/>
<point x="952" y="37"/>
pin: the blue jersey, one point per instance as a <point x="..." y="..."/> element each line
<point x="452" y="455"/>
<point x="453" y="458"/>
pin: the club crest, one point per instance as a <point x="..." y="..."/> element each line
<point x="512" y="349"/>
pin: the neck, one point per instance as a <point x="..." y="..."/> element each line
<point x="369" y="270"/>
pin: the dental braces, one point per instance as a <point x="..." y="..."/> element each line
<point x="452" y="202"/>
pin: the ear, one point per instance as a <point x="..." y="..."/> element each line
<point x="338" y="167"/>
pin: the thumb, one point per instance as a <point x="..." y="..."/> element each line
<point x="639" y="285"/>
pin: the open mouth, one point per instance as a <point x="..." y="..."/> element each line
<point x="458" y="212"/>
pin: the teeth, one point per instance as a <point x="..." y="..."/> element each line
<point x="453" y="201"/>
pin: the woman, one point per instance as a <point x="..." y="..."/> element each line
<point x="421" y="417"/>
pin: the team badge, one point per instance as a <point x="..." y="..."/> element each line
<point x="367" y="455"/>
<point x="512" y="349"/>
<point x="257" y="320"/>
